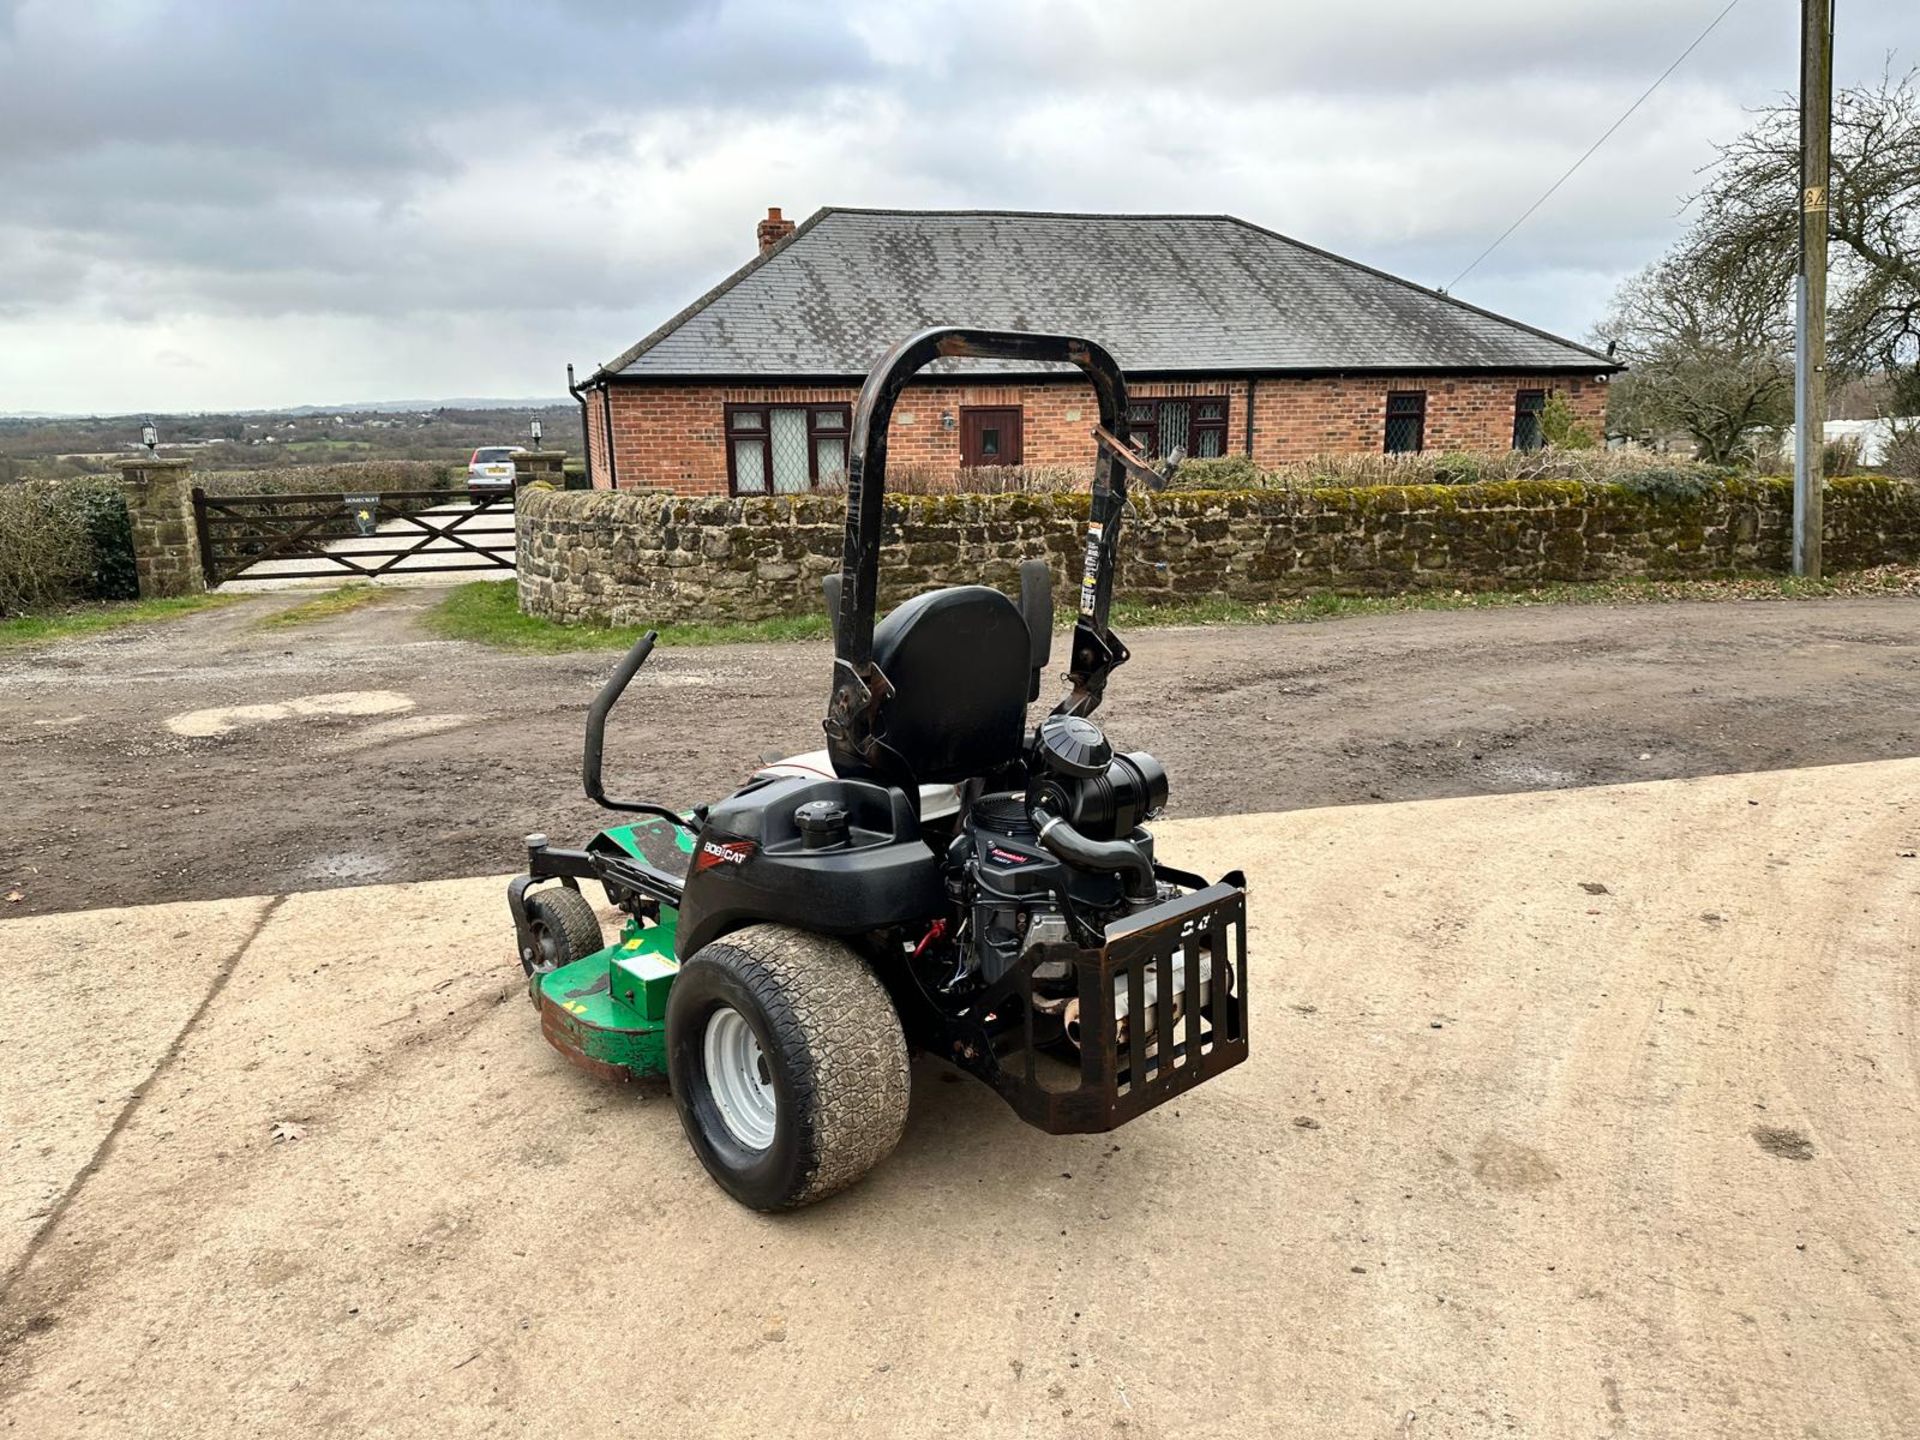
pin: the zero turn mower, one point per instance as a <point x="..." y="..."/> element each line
<point x="943" y="877"/>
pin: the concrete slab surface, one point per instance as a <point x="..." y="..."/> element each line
<point x="1570" y="1114"/>
<point x="109" y="992"/>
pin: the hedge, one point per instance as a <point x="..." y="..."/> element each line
<point x="63" y="541"/>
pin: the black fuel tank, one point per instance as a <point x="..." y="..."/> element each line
<point x="753" y="862"/>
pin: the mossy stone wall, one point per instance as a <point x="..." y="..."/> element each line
<point x="595" y="555"/>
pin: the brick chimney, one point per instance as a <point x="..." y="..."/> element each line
<point x="772" y="230"/>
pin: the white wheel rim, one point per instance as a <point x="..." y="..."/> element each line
<point x="740" y="1078"/>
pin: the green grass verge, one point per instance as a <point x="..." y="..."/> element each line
<point x="1887" y="580"/>
<point x="87" y="619"/>
<point x="343" y="601"/>
<point x="488" y="610"/>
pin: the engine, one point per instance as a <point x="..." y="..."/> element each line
<point x="1055" y="863"/>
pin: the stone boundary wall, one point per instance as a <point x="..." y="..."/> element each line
<point x="631" y="559"/>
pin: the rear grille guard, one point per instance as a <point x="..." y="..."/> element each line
<point x="1192" y="948"/>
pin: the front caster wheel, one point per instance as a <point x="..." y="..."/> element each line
<point x="561" y="928"/>
<point x="788" y="1065"/>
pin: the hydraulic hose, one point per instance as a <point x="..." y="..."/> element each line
<point x="1120" y="856"/>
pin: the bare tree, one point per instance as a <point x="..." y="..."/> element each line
<point x="1749" y="223"/>
<point x="1709" y="353"/>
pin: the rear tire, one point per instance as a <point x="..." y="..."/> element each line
<point x="561" y="928"/>
<point x="788" y="1065"/>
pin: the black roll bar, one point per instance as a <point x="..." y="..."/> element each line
<point x="858" y="686"/>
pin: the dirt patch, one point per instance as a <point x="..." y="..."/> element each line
<point x="109" y="805"/>
<point x="1787" y="1144"/>
<point x="1503" y="1164"/>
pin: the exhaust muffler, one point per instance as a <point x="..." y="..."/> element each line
<point x="1149" y="1003"/>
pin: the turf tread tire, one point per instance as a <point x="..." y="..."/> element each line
<point x="569" y="914"/>
<point x="839" y="1044"/>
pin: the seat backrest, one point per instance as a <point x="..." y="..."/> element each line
<point x="960" y="662"/>
<point x="1036" y="608"/>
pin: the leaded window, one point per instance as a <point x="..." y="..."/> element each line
<point x="1528" y="408"/>
<point x="1196" y="424"/>
<point x="1406" y="422"/>
<point x="785" y="449"/>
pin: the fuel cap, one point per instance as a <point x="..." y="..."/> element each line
<point x="1074" y="745"/>
<point x="822" y="824"/>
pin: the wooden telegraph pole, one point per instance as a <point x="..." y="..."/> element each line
<point x="1810" y="293"/>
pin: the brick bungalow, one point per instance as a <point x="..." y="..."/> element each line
<point x="1235" y="340"/>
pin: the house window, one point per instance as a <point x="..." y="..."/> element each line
<point x="1140" y="427"/>
<point x="1196" y="424"/>
<point x="1528" y="408"/>
<point x="1406" y="421"/>
<point x="785" y="449"/>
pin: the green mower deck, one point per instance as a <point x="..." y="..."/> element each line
<point x="607" y="1013"/>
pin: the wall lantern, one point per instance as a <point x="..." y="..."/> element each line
<point x="946" y="419"/>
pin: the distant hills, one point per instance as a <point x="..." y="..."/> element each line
<point x="447" y="431"/>
<point x="388" y="407"/>
<point x="357" y="407"/>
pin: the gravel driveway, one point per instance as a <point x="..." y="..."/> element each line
<point x="207" y="757"/>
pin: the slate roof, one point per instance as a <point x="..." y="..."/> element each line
<point x="1165" y="293"/>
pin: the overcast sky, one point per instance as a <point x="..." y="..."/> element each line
<point x="214" y="204"/>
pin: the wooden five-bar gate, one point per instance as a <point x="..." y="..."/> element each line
<point x="321" y="537"/>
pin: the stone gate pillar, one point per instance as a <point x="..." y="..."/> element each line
<point x="547" y="465"/>
<point x="166" y="544"/>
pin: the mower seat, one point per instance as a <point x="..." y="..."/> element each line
<point x="1036" y="609"/>
<point x="964" y="663"/>
<point x="959" y="661"/>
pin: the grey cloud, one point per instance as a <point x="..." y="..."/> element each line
<point x="354" y="84"/>
<point x="233" y="159"/>
<point x="1127" y="49"/>
<point x="224" y="143"/>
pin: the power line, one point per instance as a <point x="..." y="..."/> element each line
<point x="1731" y="4"/>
